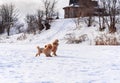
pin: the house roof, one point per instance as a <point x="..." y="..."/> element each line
<point x="72" y="6"/>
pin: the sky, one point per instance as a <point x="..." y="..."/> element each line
<point x="30" y="6"/>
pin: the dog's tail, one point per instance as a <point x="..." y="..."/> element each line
<point x="40" y="49"/>
<point x="37" y="47"/>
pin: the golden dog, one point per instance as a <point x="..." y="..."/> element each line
<point x="46" y="50"/>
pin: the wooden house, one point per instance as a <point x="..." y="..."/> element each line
<point x="82" y="8"/>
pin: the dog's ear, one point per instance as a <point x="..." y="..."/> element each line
<point x="45" y="46"/>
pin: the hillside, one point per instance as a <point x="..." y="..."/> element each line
<point x="65" y="30"/>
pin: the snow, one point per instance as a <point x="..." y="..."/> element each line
<point x="59" y="29"/>
<point x="74" y="64"/>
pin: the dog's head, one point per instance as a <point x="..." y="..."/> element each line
<point x="56" y="42"/>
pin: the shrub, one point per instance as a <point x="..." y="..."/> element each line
<point x="105" y="39"/>
<point x="72" y="39"/>
<point x="22" y="37"/>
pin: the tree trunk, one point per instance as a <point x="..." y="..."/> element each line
<point x="89" y="21"/>
<point x="8" y="31"/>
<point x="112" y="28"/>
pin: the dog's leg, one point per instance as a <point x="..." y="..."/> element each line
<point x="36" y="55"/>
<point x="54" y="53"/>
<point x="48" y="55"/>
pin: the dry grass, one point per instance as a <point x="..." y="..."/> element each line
<point x="106" y="39"/>
<point x="22" y="37"/>
<point x="76" y="40"/>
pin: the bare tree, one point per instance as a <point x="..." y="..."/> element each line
<point x="1" y="27"/>
<point x="35" y="22"/>
<point x="89" y="20"/>
<point x="77" y="21"/>
<point x="112" y="8"/>
<point x="49" y="7"/>
<point x="88" y="10"/>
<point x="31" y="22"/>
<point x="9" y="16"/>
<point x="57" y="15"/>
<point x="102" y="14"/>
<point x="39" y="20"/>
<point x="19" y="27"/>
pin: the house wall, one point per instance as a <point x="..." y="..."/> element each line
<point x="72" y="12"/>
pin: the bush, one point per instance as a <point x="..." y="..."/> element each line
<point x="72" y="39"/>
<point x="105" y="39"/>
<point x="22" y="37"/>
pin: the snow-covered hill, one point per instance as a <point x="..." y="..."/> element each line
<point x="58" y="30"/>
<point x="65" y="30"/>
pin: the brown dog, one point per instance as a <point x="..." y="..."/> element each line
<point x="54" y="47"/>
<point x="46" y="50"/>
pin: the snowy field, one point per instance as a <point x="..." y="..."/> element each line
<point x="74" y="64"/>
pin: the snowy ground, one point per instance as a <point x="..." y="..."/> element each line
<point x="74" y="64"/>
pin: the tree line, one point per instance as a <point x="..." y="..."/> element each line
<point x="42" y="19"/>
<point x="108" y="17"/>
<point x="35" y="22"/>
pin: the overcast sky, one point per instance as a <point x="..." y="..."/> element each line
<point x="29" y="6"/>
